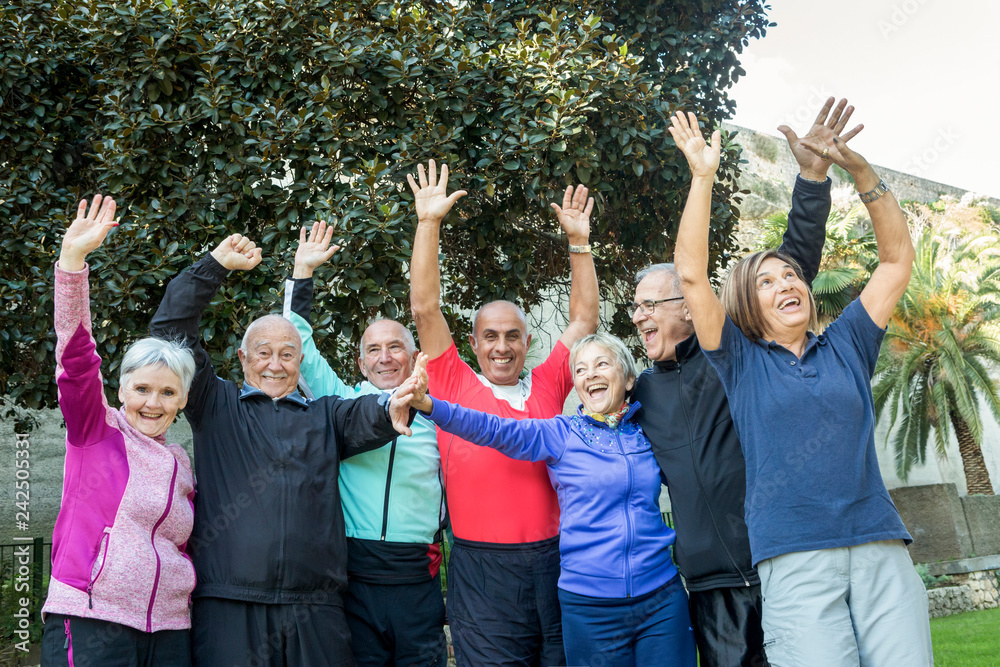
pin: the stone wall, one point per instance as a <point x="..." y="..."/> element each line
<point x="974" y="585"/>
<point x="945" y="526"/>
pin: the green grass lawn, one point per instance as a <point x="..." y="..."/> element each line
<point x="967" y="640"/>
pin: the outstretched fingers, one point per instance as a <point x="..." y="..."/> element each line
<point x="825" y="111"/>
<point x="847" y="136"/>
<point x="432" y="179"/>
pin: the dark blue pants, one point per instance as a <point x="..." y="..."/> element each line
<point x="399" y="625"/>
<point x="71" y="641"/>
<point x="233" y="633"/>
<point x="651" y="629"/>
<point x="503" y="605"/>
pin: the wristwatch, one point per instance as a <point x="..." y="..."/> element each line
<point x="872" y="195"/>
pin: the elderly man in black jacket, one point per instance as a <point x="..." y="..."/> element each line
<point x="268" y="545"/>
<point x="686" y="417"/>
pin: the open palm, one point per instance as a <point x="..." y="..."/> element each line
<point x="430" y="194"/>
<point x="87" y="232"/>
<point x="315" y="249"/>
<point x="702" y="157"/>
<point x="574" y="214"/>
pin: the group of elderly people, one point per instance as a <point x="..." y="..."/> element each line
<point x="313" y="537"/>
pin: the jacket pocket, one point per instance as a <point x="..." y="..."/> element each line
<point x="98" y="567"/>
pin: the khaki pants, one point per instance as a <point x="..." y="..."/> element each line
<point x="862" y="605"/>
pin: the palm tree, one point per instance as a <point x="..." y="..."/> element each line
<point x="941" y="341"/>
<point x="849" y="257"/>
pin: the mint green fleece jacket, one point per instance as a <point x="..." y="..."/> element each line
<point x="393" y="493"/>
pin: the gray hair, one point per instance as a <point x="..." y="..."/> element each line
<point x="619" y="352"/>
<point x="520" y="313"/>
<point x="411" y="344"/>
<point x="664" y="267"/>
<point x="264" y="321"/>
<point x="158" y="352"/>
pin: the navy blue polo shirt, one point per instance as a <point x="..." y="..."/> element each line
<point x="807" y="427"/>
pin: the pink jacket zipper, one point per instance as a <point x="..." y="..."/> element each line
<point x="152" y="541"/>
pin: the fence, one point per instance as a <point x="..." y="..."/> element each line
<point x="15" y="570"/>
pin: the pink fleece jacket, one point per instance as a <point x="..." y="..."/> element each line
<point x="118" y="549"/>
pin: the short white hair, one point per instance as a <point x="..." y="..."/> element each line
<point x="158" y="352"/>
<point x="619" y="352"/>
<point x="664" y="267"/>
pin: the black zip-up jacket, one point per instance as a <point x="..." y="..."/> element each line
<point x="686" y="417"/>
<point x="268" y="526"/>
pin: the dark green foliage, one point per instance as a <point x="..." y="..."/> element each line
<point x="205" y="118"/>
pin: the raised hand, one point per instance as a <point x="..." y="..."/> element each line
<point x="702" y="157"/>
<point x="574" y="214"/>
<point x="811" y="165"/>
<point x="825" y="144"/>
<point x="430" y="197"/>
<point x="237" y="253"/>
<point x="421" y="400"/>
<point x="87" y="232"/>
<point x="315" y="250"/>
<point x="412" y="393"/>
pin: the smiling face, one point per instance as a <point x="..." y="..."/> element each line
<point x="599" y="380"/>
<point x="152" y="397"/>
<point x="669" y="324"/>
<point x="272" y="356"/>
<point x="500" y="342"/>
<point x="388" y="354"/>
<point x="783" y="298"/>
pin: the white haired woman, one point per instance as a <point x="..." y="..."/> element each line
<point x="838" y="584"/>
<point x="121" y="581"/>
<point x="621" y="598"/>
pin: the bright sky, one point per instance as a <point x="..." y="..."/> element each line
<point x="923" y="74"/>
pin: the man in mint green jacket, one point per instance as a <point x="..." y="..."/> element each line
<point x="392" y="497"/>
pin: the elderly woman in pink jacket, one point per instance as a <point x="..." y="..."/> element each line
<point x="121" y="581"/>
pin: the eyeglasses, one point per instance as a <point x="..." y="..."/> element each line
<point x="647" y="307"/>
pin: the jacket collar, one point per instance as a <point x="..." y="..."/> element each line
<point x="633" y="408"/>
<point x="683" y="351"/>
<point x="294" y="397"/>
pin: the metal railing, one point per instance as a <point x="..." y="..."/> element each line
<point x="24" y="568"/>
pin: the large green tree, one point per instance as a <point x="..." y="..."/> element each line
<point x="942" y="341"/>
<point x="204" y="117"/>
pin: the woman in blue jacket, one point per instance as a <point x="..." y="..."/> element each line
<point x="621" y="597"/>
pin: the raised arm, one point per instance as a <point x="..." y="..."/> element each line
<point x="584" y="298"/>
<point x="78" y="367"/>
<point x="806" y="233"/>
<point x="691" y="253"/>
<point x="432" y="203"/>
<point x="317" y="377"/>
<point x="185" y="300"/>
<point x="892" y="235"/>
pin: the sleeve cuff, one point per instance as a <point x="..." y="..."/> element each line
<point x="440" y="412"/>
<point x="84" y="272"/>
<point x="213" y="266"/>
<point x="817" y="187"/>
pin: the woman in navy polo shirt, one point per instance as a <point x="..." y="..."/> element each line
<point x="838" y="584"/>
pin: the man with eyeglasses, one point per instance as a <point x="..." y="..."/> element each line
<point x="686" y="417"/>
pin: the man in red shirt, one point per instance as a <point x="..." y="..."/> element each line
<point x="503" y="607"/>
